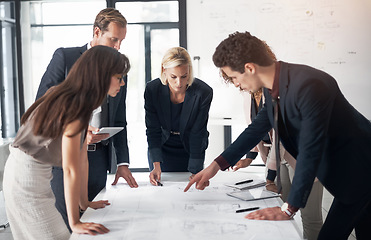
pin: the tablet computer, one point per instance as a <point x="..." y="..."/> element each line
<point x="110" y="130"/>
<point x="253" y="194"/>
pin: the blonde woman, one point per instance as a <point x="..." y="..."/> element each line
<point x="177" y="110"/>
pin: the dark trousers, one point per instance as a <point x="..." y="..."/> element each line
<point x="171" y="164"/>
<point x="98" y="165"/>
<point x="175" y="157"/>
<point x="343" y="218"/>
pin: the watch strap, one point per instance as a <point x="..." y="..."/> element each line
<point x="288" y="210"/>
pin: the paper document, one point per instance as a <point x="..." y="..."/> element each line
<point x="168" y="213"/>
<point x="253" y="194"/>
<point x="110" y="130"/>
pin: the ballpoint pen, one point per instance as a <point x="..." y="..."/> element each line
<point x="4" y="225"/>
<point x="247" y="209"/>
<point x="247" y="181"/>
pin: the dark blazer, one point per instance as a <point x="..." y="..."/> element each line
<point x="57" y="71"/>
<point x="329" y="138"/>
<point x="193" y="120"/>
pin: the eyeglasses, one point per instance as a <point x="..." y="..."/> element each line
<point x="121" y="79"/>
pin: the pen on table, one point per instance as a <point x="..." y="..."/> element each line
<point x="159" y="183"/>
<point x="247" y="181"/>
<point x="247" y="209"/>
<point x="4" y="225"/>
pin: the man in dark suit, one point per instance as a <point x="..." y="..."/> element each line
<point x="109" y="30"/>
<point x="329" y="138"/>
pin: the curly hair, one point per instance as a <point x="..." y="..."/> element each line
<point x="241" y="48"/>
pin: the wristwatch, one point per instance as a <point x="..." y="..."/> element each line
<point x="285" y="209"/>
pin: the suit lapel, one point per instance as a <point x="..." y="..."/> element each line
<point x="268" y="105"/>
<point x="164" y="101"/>
<point x="189" y="101"/>
<point x="284" y="83"/>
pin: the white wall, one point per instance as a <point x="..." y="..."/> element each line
<point x="332" y="35"/>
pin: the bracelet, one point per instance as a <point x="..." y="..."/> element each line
<point x="81" y="210"/>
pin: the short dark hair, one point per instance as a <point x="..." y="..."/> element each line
<point x="106" y="16"/>
<point x="241" y="48"/>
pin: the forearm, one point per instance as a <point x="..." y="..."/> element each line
<point x="248" y="139"/>
<point x="120" y="140"/>
<point x="121" y="147"/>
<point x="198" y="135"/>
<point x="152" y="121"/>
<point x="155" y="154"/>
<point x="84" y="170"/>
<point x="157" y="165"/>
<point x="71" y="163"/>
<point x="71" y="180"/>
<point x="251" y="155"/>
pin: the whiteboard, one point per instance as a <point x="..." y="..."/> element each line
<point x="331" y="35"/>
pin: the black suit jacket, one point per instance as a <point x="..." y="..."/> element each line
<point x="57" y="70"/>
<point x="193" y="120"/>
<point x="329" y="138"/>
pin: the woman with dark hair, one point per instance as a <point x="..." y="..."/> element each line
<point x="53" y="133"/>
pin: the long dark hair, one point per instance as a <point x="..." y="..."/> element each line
<point x="79" y="94"/>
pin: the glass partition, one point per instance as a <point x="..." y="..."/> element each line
<point x="8" y="77"/>
<point x="152" y="29"/>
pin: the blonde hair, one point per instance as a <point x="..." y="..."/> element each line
<point x="174" y="57"/>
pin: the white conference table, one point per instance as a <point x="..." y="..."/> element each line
<point x="164" y="213"/>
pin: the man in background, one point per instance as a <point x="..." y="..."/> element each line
<point x="109" y="30"/>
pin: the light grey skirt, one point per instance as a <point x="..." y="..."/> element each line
<point x="29" y="199"/>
